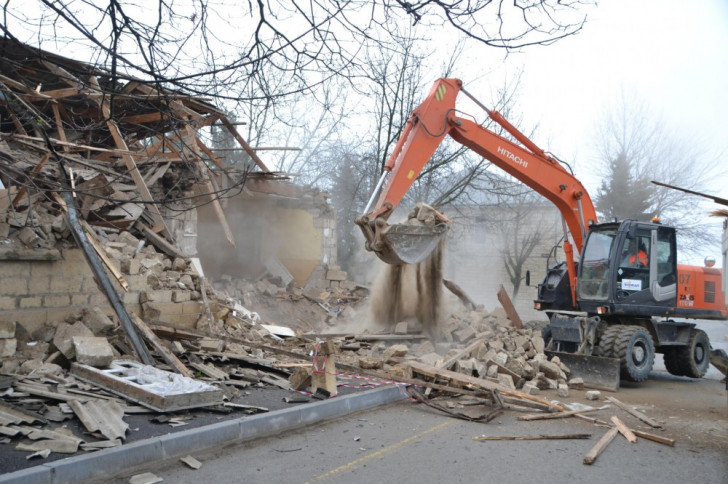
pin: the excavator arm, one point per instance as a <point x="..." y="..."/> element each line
<point x="426" y="128"/>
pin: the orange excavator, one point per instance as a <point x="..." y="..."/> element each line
<point x="611" y="301"/>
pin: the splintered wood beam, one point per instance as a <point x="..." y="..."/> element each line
<point x="210" y="154"/>
<point x="600" y="446"/>
<point x="59" y="127"/>
<point x="635" y="413"/>
<point x="210" y="186"/>
<point x="645" y="435"/>
<point x="131" y="165"/>
<point x="628" y="434"/>
<point x="483" y="438"/>
<point x="36" y="169"/>
<point x="142" y="118"/>
<point x="509" y="308"/>
<point x="549" y="416"/>
<point x="91" y="236"/>
<point x="253" y="155"/>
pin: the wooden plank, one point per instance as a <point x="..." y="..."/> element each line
<point x="166" y="354"/>
<point x="244" y="144"/>
<point x="549" y="416"/>
<point x="484" y="438"/>
<point x="59" y="126"/>
<point x="592" y="455"/>
<point x="623" y="429"/>
<point x="645" y="435"/>
<point x="446" y="364"/>
<point x="470" y="381"/>
<point x="635" y="413"/>
<point x="510" y="309"/>
<point x="130" y="163"/>
<point x="159" y="242"/>
<point x="91" y="236"/>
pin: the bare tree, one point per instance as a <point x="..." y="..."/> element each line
<point x="221" y="48"/>
<point x="634" y="147"/>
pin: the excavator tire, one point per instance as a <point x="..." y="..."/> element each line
<point x="605" y="347"/>
<point x="672" y="361"/>
<point x="691" y="360"/>
<point x="636" y="352"/>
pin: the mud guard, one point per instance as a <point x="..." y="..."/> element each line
<point x="597" y="372"/>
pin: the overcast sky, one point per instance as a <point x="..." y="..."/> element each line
<point x="671" y="53"/>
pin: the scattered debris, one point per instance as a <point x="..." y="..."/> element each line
<point x="592" y="455"/>
<point x="191" y="462"/>
<point x="483" y="438"/>
<point x="145" y="478"/>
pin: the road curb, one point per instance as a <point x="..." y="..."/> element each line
<point x="110" y="462"/>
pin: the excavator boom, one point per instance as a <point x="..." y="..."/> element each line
<point x="429" y="124"/>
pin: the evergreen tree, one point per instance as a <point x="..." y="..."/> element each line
<point x="623" y="195"/>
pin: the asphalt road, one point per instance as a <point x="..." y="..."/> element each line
<point x="410" y="443"/>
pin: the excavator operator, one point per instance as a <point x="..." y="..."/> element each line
<point x="635" y="257"/>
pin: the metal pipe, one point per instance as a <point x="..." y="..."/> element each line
<point x="376" y="192"/>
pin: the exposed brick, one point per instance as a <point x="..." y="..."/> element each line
<point x="99" y="300"/>
<point x="56" y="301"/>
<point x="180" y="296"/>
<point x="13" y="286"/>
<point x="89" y="285"/>
<point x="30" y="302"/>
<point x="334" y="275"/>
<point x="74" y="255"/>
<point x="65" y="284"/>
<point x="32" y="318"/>
<point x="39" y="284"/>
<point x="10" y="268"/>
<point x="41" y="269"/>
<point x="79" y="299"/>
<point x="7" y="329"/>
<point x="7" y="303"/>
<point x="191" y="307"/>
<point x="8" y="347"/>
<point x="137" y="283"/>
<point x="130" y="297"/>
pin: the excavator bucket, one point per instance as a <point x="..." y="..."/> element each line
<point x="410" y="244"/>
<point x="597" y="372"/>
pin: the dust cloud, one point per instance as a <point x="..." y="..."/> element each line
<point x="410" y="291"/>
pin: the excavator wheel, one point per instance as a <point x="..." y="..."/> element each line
<point x="605" y="347"/>
<point x="691" y="360"/>
<point x="636" y="352"/>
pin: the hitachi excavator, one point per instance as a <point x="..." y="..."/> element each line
<point x="612" y="300"/>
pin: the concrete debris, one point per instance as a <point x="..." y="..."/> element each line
<point x="593" y="395"/>
<point x="93" y="351"/>
<point x="191" y="462"/>
<point x="145" y="478"/>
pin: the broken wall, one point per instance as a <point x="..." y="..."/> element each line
<point x="297" y="230"/>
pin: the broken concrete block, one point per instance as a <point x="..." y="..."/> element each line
<point x="368" y="363"/>
<point x="538" y="343"/>
<point x="8" y="346"/>
<point x="181" y="296"/>
<point x="431" y="358"/>
<point x="550" y="369"/>
<point x="64" y="335"/>
<point x="401" y="328"/>
<point x="464" y="335"/>
<point x="563" y="390"/>
<point x="98" y="322"/>
<point x="530" y="388"/>
<point x="506" y="381"/>
<point x="212" y="344"/>
<point x="576" y="383"/>
<point x="593" y="395"/>
<point x="501" y="358"/>
<point x="335" y="275"/>
<point x="38" y="368"/>
<point x="7" y="329"/>
<point x="300" y="379"/>
<point x="403" y="372"/>
<point x="93" y="351"/>
<point x="492" y="371"/>
<point x="395" y="351"/>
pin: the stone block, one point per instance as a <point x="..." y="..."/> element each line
<point x="464" y="335"/>
<point x="65" y="284"/>
<point x="181" y="296"/>
<point x="395" y="351"/>
<point x="593" y="395"/>
<point x="550" y="369"/>
<point x="506" y="381"/>
<point x="401" y="328"/>
<point x="8" y="347"/>
<point x="368" y="363"/>
<point x="335" y="275"/>
<point x="563" y="390"/>
<point x="63" y="340"/>
<point x="11" y="268"/>
<point x="93" y="351"/>
<point x="7" y="329"/>
<point x="530" y="388"/>
<point x="13" y="286"/>
<point x="576" y="383"/>
<point x="98" y="322"/>
<point x="30" y="302"/>
<point x="56" y="301"/>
